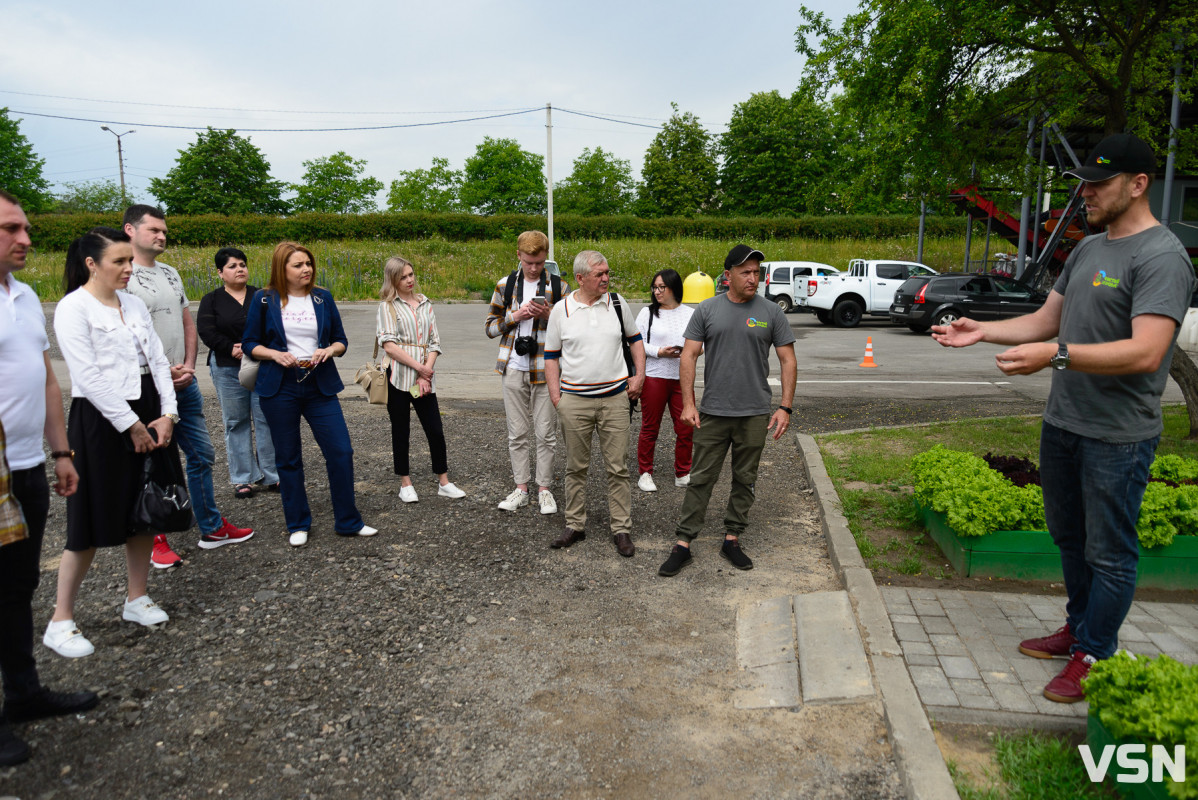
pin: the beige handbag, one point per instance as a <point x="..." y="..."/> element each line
<point x="372" y="379"/>
<point x="247" y="374"/>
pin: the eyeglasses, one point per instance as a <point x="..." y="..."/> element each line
<point x="659" y="288"/>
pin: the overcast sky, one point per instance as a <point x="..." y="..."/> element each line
<point x="247" y="64"/>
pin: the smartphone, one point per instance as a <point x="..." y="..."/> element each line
<point x="541" y="300"/>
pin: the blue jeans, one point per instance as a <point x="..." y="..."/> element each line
<point x="283" y="412"/>
<point x="242" y="413"/>
<point x="192" y="435"/>
<point x="1092" y="496"/>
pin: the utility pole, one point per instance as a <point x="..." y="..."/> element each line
<point x="1171" y="159"/>
<point x="549" y="170"/>
<point x="120" y="157"/>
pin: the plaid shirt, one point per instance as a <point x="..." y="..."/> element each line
<point x="500" y="323"/>
<point x="12" y="520"/>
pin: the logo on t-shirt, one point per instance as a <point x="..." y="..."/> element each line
<point x="756" y="323"/>
<point x="1101" y="279"/>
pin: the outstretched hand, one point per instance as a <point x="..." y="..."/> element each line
<point x="961" y="332"/>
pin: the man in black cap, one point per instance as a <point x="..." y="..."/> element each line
<point x="734" y="331"/>
<point x="1115" y="313"/>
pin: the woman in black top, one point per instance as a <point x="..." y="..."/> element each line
<point x="220" y="323"/>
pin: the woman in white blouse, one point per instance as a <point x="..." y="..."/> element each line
<point x="407" y="333"/>
<point x="122" y="408"/>
<point x="662" y="324"/>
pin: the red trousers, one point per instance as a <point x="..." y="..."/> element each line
<point x="657" y="394"/>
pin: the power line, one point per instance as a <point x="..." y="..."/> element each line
<point x="608" y="119"/>
<point x="284" y="130"/>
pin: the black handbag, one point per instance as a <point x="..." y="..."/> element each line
<point x="164" y="509"/>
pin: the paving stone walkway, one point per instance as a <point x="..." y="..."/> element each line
<point x="961" y="649"/>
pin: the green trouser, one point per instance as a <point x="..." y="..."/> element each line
<point x="713" y="437"/>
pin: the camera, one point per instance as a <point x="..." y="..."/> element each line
<point x="526" y="345"/>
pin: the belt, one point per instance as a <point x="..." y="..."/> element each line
<point x="145" y="370"/>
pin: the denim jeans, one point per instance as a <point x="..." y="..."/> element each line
<point x="296" y="399"/>
<point x="242" y="413"/>
<point x="192" y="435"/>
<point x="1092" y="496"/>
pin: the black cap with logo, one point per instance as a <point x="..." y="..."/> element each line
<point x="740" y="254"/>
<point x="1114" y="155"/>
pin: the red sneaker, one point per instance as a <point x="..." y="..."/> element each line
<point x="1056" y="645"/>
<point x="1067" y="686"/>
<point x="227" y="533"/>
<point x="163" y="557"/>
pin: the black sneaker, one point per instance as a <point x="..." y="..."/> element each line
<point x="45" y="703"/>
<point x="13" y="751"/>
<point x="679" y="557"/>
<point x="734" y="555"/>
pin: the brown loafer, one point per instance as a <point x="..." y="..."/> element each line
<point x="624" y="545"/>
<point x="568" y="538"/>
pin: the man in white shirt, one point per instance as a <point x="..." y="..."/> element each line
<point x="161" y="289"/>
<point x="590" y="383"/>
<point x="30" y="406"/>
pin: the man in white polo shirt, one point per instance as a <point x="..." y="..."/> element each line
<point x="590" y="384"/>
<point x="30" y="407"/>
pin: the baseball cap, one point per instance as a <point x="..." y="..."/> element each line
<point x="740" y="254"/>
<point x="1122" y="152"/>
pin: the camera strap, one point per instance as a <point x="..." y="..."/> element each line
<point x="515" y="283"/>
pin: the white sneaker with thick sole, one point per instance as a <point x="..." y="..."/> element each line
<point x="408" y="494"/>
<point x="646" y="483"/>
<point x="685" y="480"/>
<point x="144" y="611"/>
<point x="450" y="491"/>
<point x="546" y="501"/>
<point x="298" y="538"/>
<point x="517" y="499"/>
<point x="66" y="640"/>
<point x="366" y="530"/>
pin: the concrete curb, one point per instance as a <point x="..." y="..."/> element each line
<point x="920" y="762"/>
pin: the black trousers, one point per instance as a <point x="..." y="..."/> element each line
<point x="19" y="572"/>
<point x="399" y="405"/>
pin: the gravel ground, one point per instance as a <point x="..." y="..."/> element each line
<point x="452" y="655"/>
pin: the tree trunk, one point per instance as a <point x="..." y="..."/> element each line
<point x="1185" y="373"/>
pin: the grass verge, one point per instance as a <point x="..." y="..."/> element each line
<point x="871" y="473"/>
<point x="1032" y="766"/>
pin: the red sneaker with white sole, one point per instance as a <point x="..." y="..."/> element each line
<point x="163" y="557"/>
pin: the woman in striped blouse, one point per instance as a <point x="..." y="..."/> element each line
<point x="407" y="333"/>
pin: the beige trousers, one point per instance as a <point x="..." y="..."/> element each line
<point x="529" y="410"/>
<point x="581" y="417"/>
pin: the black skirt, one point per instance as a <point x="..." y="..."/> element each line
<point x="110" y="471"/>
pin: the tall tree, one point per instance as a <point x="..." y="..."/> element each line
<point x="680" y="175"/>
<point x="20" y="167"/>
<point x="433" y="189"/>
<point x="220" y="173"/>
<point x="334" y="184"/>
<point x="97" y="197"/>
<point x="501" y="178"/>
<point x="776" y="153"/>
<point x="598" y="185"/>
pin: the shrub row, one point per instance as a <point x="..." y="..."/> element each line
<point x="55" y="231"/>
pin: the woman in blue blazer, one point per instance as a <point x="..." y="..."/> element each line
<point x="293" y="328"/>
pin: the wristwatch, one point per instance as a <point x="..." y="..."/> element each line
<point x="62" y="454"/>
<point x="1061" y="359"/>
<point x="787" y="410"/>
<point x="174" y="418"/>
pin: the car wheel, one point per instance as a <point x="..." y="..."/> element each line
<point x="824" y="316"/>
<point x="847" y="314"/>
<point x="946" y="317"/>
<point x="783" y="303"/>
<point x="918" y="328"/>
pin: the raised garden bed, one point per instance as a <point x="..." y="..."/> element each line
<point x="1098" y="737"/>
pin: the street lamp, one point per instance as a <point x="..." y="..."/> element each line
<point x="120" y="157"/>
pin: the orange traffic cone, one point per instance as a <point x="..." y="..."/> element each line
<point x="869" y="353"/>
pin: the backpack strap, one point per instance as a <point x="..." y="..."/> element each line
<point x="508" y="288"/>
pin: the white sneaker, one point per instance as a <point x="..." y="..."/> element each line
<point x="685" y="480"/>
<point x="646" y="483"/>
<point x="517" y="499"/>
<point x="548" y="504"/>
<point x="298" y="538"/>
<point x="66" y="640"/>
<point x="449" y="490"/>
<point x="408" y="494"/>
<point x="366" y="530"/>
<point x="144" y="611"/>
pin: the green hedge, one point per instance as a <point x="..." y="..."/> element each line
<point x="55" y="231"/>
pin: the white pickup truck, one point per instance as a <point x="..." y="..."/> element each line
<point x="866" y="288"/>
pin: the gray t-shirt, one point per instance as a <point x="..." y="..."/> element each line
<point x="161" y="289"/>
<point x="1105" y="283"/>
<point x="736" y="341"/>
